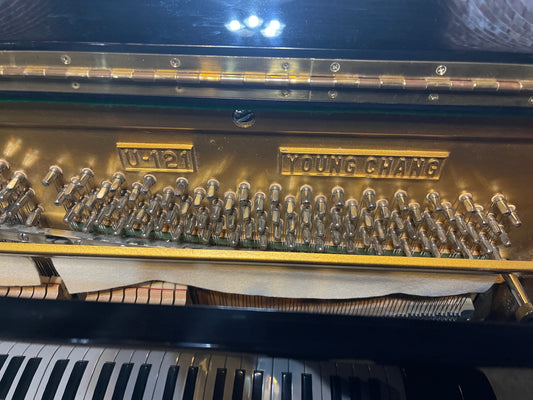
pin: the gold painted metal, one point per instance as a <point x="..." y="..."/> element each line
<point x="315" y="260"/>
<point x="157" y="157"/>
<point x="359" y="163"/>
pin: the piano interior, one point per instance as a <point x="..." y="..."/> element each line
<point x="254" y="213"/>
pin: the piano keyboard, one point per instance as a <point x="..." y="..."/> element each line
<point x="63" y="372"/>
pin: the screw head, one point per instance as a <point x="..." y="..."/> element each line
<point x="175" y="62"/>
<point x="531" y="100"/>
<point x="285" y="66"/>
<point x="441" y="70"/>
<point x="433" y="97"/>
<point x="335" y="67"/>
<point x="243" y="118"/>
<point x="332" y="94"/>
<point x="23" y="237"/>
<point x="65" y="59"/>
<point x="285" y="93"/>
<point x="75" y="85"/>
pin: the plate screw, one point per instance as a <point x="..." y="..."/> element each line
<point x="332" y="94"/>
<point x="335" y="67"/>
<point x="285" y="93"/>
<point x="531" y="100"/>
<point x="75" y="85"/>
<point x="175" y="62"/>
<point x="23" y="237"/>
<point x="65" y="59"/>
<point x="433" y="97"/>
<point x="243" y="118"/>
<point x="285" y="66"/>
<point x="441" y="70"/>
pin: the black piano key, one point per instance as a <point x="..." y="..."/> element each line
<point x="220" y="381"/>
<point x="103" y="381"/>
<point x="3" y="358"/>
<point x="26" y="378"/>
<point x="122" y="381"/>
<point x="355" y="388"/>
<point x="140" y="383"/>
<point x="336" y="388"/>
<point x="257" y="385"/>
<point x="238" y="384"/>
<point x="170" y="383"/>
<point x="286" y="386"/>
<point x="190" y="383"/>
<point x="307" y="387"/>
<point x="54" y="380"/>
<point x="74" y="380"/>
<point x="9" y="375"/>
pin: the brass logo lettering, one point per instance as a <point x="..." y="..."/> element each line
<point x="362" y="163"/>
<point x="157" y="157"/>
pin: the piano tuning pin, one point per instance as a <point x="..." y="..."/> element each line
<point x="34" y="216"/>
<point x="4" y="166"/>
<point x="453" y="241"/>
<point x="202" y="219"/>
<point x="212" y="188"/>
<point x="25" y="198"/>
<point x="117" y="181"/>
<point x="376" y="246"/>
<point x="366" y="219"/>
<point x="259" y="202"/>
<point x="261" y="224"/>
<point x="306" y="217"/>
<point x="181" y="186"/>
<point x="480" y="216"/>
<point x="231" y="221"/>
<point x="447" y="210"/>
<point x="513" y="217"/>
<point x="290" y="206"/>
<point x="352" y="210"/>
<point x="434" y="249"/>
<point x="416" y="213"/>
<point x="147" y="229"/>
<point x="379" y="231"/>
<point x="229" y="202"/>
<point x="433" y="199"/>
<point x="500" y="203"/>
<point x="185" y="205"/>
<point x="305" y="195"/>
<point x="320" y="228"/>
<point x="276" y="216"/>
<point x="263" y="242"/>
<point x="55" y="176"/>
<point x="429" y="221"/>
<point x="504" y="238"/>
<point x="216" y="209"/>
<point x="276" y="233"/>
<point x="291" y="225"/>
<point x="336" y="218"/>
<point x="320" y="245"/>
<point x="168" y="196"/>
<point x="472" y="233"/>
<point x="198" y="197"/>
<point x="393" y="236"/>
<point x="407" y="251"/>
<point x="383" y="210"/>
<point x="17" y="180"/>
<point x="275" y="193"/>
<point x="136" y="189"/>
<point x="485" y="244"/>
<point x="85" y="179"/>
<point x="148" y="181"/>
<point x="123" y="201"/>
<point x="465" y="251"/>
<point x="369" y="199"/>
<point x="349" y="228"/>
<point x="467" y="202"/>
<point x="493" y="225"/>
<point x="103" y="190"/>
<point x="461" y="224"/>
<point x="411" y="231"/>
<point x="320" y="206"/>
<point x="400" y="197"/>
<point x="365" y="237"/>
<point x="246" y="212"/>
<point x="154" y="205"/>
<point x="424" y="241"/>
<point x="398" y="222"/>
<point x="441" y="234"/>
<point x="190" y="224"/>
<point x="243" y="192"/>
<point x="350" y="247"/>
<point x="337" y="197"/>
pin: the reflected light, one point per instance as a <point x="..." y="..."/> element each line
<point x="273" y="29"/>
<point x="234" y="25"/>
<point x="253" y="21"/>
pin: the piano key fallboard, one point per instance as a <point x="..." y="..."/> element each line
<point x="50" y="371"/>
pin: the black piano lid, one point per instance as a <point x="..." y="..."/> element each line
<point x="297" y="335"/>
<point x="475" y="30"/>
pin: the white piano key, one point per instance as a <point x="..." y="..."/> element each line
<point x="92" y="356"/>
<point x="122" y="357"/>
<point x="61" y="353"/>
<point x="313" y="368"/>
<point x="185" y="360"/>
<point x="46" y="353"/>
<point x="139" y="358"/>
<point x="16" y="350"/>
<point x="155" y="359"/>
<point x="296" y="367"/>
<point x="265" y="364"/>
<point x="327" y="370"/>
<point x="170" y="358"/>
<point x="77" y="354"/>
<point x="233" y="363"/>
<point x="217" y="361"/>
<point x="107" y="355"/>
<point x="248" y="363"/>
<point x="202" y="361"/>
<point x="280" y="365"/>
<point x="5" y="346"/>
<point x="31" y="351"/>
